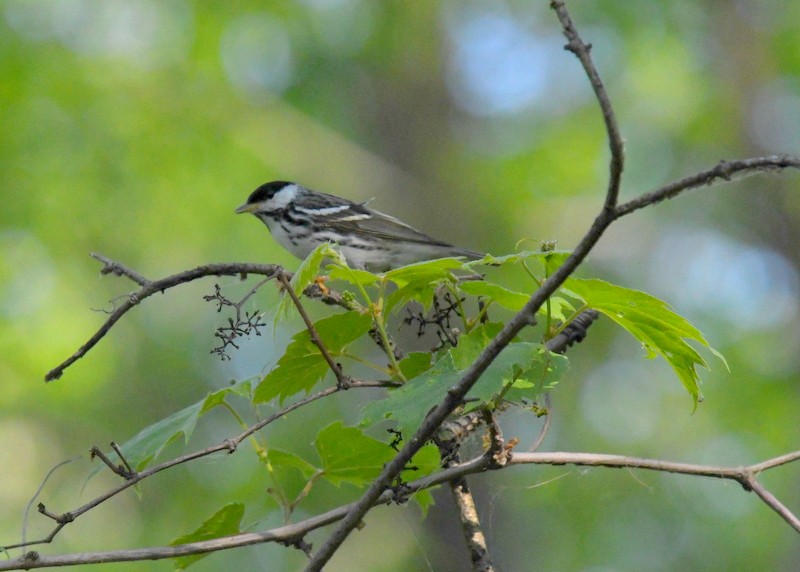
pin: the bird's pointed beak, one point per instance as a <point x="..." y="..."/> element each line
<point x="246" y="208"/>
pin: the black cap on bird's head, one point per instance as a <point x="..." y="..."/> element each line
<point x="263" y="193"/>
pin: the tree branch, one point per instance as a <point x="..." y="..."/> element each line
<point x="582" y="51"/>
<point x="229" y="445"/>
<point x="471" y="525"/>
<point x="747" y="476"/>
<point x="150" y="287"/>
<point x="342" y="380"/>
<point x="351" y="515"/>
<point x="723" y="171"/>
<point x="526" y="316"/>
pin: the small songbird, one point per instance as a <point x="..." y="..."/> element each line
<point x="301" y="219"/>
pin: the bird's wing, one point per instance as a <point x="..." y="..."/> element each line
<point x="358" y="218"/>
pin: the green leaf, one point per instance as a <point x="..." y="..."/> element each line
<point x="550" y="260"/>
<point x="277" y="458"/>
<point x="289" y="474"/>
<point x="426" y="462"/>
<point x="661" y="331"/>
<point x="347" y="455"/>
<point x="302" y="366"/>
<point x="150" y="441"/>
<point x="352" y="275"/>
<point x="503" y="296"/>
<point x="306" y="274"/>
<point x="409" y="404"/>
<point x="472" y="344"/>
<point x="507" y="260"/>
<point x="350" y="456"/>
<point x="559" y="308"/>
<point x="419" y="281"/>
<point x="515" y="300"/>
<point x="429" y="270"/>
<point x="241" y="388"/>
<point x="414" y="364"/>
<point x="224" y="522"/>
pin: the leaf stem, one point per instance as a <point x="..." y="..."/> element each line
<point x="377" y="316"/>
<point x="369" y="364"/>
<point x="461" y="312"/>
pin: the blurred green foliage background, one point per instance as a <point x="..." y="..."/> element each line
<point x="134" y="128"/>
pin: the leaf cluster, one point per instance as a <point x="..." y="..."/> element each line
<point x="522" y="372"/>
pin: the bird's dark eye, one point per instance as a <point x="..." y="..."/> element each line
<point x="266" y="191"/>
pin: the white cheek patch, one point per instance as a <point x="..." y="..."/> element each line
<point x="323" y="211"/>
<point x="283" y="197"/>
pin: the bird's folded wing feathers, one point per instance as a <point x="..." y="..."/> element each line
<point x="347" y="216"/>
<point x="370" y="222"/>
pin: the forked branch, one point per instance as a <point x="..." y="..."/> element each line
<point x="229" y="445"/>
<point x="747" y="476"/>
<point x="150" y="287"/>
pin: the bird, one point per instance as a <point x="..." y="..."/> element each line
<point x="301" y="219"/>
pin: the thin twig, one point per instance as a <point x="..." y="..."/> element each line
<point x="746" y="476"/>
<point x="342" y="380"/>
<point x="774" y="503"/>
<point x="723" y="171"/>
<point x="123" y="471"/>
<point x="582" y="51"/>
<point x="228" y="445"/>
<point x="150" y="287"/>
<point x="35" y="496"/>
<point x="548" y="419"/>
<point x="128" y="470"/>
<point x="117" y="269"/>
